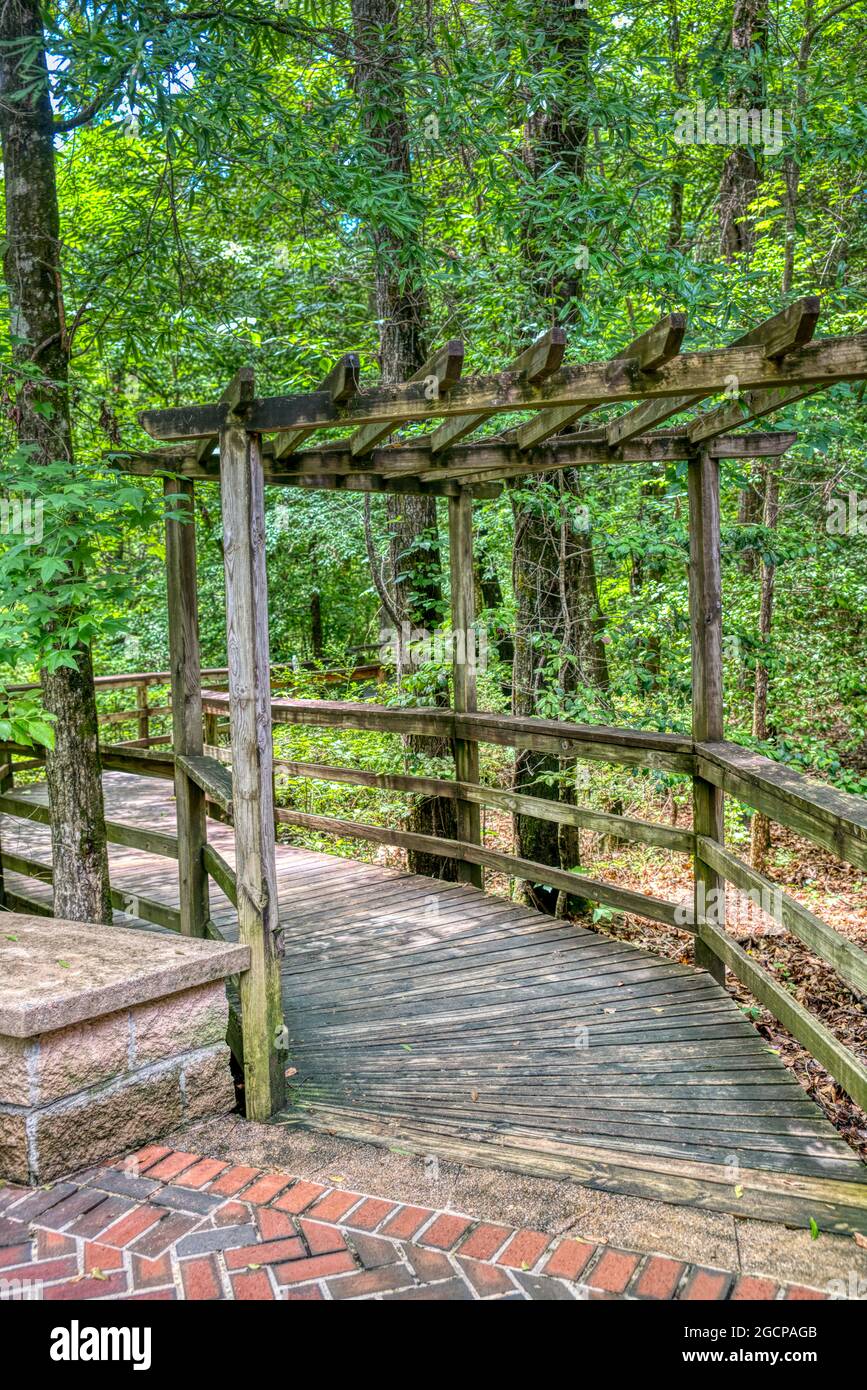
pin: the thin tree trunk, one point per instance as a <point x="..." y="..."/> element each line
<point x="679" y="170"/>
<point x="32" y="269"/>
<point x="760" y="842"/>
<point x="741" y="172"/>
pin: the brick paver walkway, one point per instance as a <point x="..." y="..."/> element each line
<point x="164" y="1224"/>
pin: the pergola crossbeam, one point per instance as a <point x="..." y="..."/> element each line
<point x="341" y="384"/>
<point x="707" y="373"/>
<point x="777" y="336"/>
<point x="438" y="375"/>
<point x="650" y="352"/>
<point x="540" y="361"/>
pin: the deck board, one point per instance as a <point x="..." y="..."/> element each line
<point x="434" y="1016"/>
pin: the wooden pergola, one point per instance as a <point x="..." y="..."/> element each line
<point x="246" y="441"/>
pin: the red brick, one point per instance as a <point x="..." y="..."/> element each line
<point x="524" y="1249"/>
<point x="569" y="1259"/>
<point x="251" y="1285"/>
<point x="151" y="1274"/>
<point x="200" y="1173"/>
<point x="145" y="1158"/>
<point x="485" y="1241"/>
<point x="73" y="1289"/>
<point x="370" y="1214"/>
<point x="800" y="1291"/>
<point x="706" y="1285"/>
<point x="164" y="1234"/>
<point x="407" y="1221"/>
<point x="321" y="1240"/>
<point x="334" y="1205"/>
<point x="273" y="1225"/>
<point x="370" y="1281"/>
<point x="154" y="1294"/>
<point x="299" y="1196"/>
<point x="229" y="1184"/>
<point x="269" y="1253"/>
<point x="104" y="1257"/>
<point x="99" y="1218"/>
<point x="748" y="1286"/>
<point x="429" y="1265"/>
<point x="231" y="1214"/>
<point x="659" y="1278"/>
<point x="317" y="1267"/>
<point x="613" y="1271"/>
<point x="132" y="1226"/>
<point x="16" y="1254"/>
<point x="267" y="1188"/>
<point x="487" y="1280"/>
<point x="201" y="1278"/>
<point x="173" y="1164"/>
<point x="310" y="1294"/>
<point x="46" y="1271"/>
<point x="51" y="1243"/>
<point x="446" y="1231"/>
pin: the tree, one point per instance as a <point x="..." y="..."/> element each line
<point x="40" y="354"/>
<point x="415" y="594"/>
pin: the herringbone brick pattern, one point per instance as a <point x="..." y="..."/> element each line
<point x="165" y="1224"/>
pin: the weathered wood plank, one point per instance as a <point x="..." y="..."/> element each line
<point x="777" y="336"/>
<point x="819" y="363"/>
<point x="341" y="384"/>
<point x="186" y="684"/>
<point x="705" y="615"/>
<point x="834" y="819"/>
<point x="540" y="361"/>
<point x="243" y="507"/>
<point x="464" y="642"/>
<point x="438" y="375"/>
<point x="648" y="352"/>
<point x="212" y="776"/>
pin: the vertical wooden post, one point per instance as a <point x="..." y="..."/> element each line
<point x="211" y="734"/>
<point x="705" y="612"/>
<point x="243" y="504"/>
<point x="186" y="703"/>
<point x="141" y="702"/>
<point x="464" y="669"/>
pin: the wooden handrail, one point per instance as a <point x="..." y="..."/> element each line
<point x="848" y="960"/>
<point x="842" y="1064"/>
<point x="835" y="820"/>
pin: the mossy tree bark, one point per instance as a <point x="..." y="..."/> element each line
<point x="41" y="355"/>
<point x="416" y="595"/>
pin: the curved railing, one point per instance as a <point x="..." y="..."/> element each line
<point x="834" y="820"/>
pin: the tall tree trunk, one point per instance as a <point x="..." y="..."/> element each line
<point x="553" y="565"/>
<point x="401" y="306"/>
<point x="760" y="842"/>
<point x="741" y="173"/>
<point x="32" y="270"/>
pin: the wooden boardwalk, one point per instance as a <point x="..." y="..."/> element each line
<point x="436" y="1018"/>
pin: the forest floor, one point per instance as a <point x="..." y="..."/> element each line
<point x="833" y="891"/>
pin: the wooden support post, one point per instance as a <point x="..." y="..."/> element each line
<point x="211" y="730"/>
<point x="186" y="686"/>
<point x="705" y="612"/>
<point x="464" y="655"/>
<point x="243" y="504"/>
<point x="141" y="703"/>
